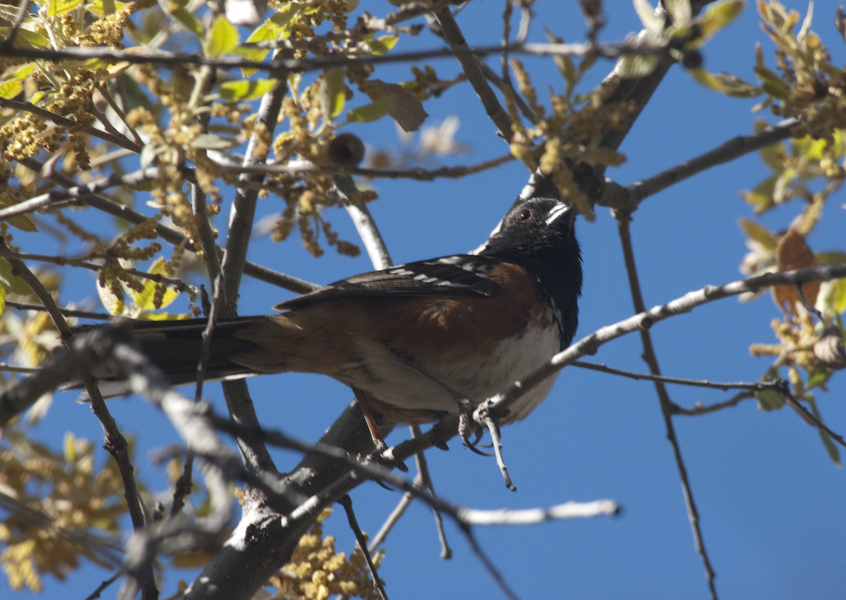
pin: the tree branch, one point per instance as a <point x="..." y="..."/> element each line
<point x="628" y="198"/>
<point x="666" y="403"/>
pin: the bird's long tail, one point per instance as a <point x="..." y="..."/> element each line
<point x="175" y="348"/>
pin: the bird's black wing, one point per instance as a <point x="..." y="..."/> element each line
<point x="458" y="275"/>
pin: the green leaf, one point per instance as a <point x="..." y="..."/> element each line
<point x="383" y="44"/>
<point x="634" y="66"/>
<point x="26" y="71"/>
<point x="277" y="27"/>
<point x="222" y="37"/>
<point x="56" y="8"/>
<point x="160" y="316"/>
<point x="819" y="376"/>
<point x="207" y="141"/>
<point x="769" y="154"/>
<point x="145" y="299"/>
<point x="771" y="83"/>
<point x="263" y="33"/>
<point x="832" y="257"/>
<point x="371" y="112"/>
<point x="838" y="296"/>
<point x="10" y="88"/>
<point x="761" y="197"/>
<point x="717" y="16"/>
<point x="244" y="90"/>
<point x="332" y="92"/>
<point x="29" y="39"/>
<point x="22" y="222"/>
<point x="564" y="63"/>
<point x="102" y="8"/>
<point x="831" y="448"/>
<point x="2" y="299"/>
<point x="12" y="282"/>
<point x="188" y="21"/>
<point x="650" y="20"/>
<point x="770" y="399"/>
<point x="759" y="233"/>
<point x="725" y="83"/>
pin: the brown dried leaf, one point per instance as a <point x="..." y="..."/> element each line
<point x="793" y="252"/>
<point x="407" y="109"/>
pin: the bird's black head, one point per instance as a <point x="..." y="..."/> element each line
<point x="539" y="235"/>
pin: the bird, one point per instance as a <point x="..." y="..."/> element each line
<point x="416" y="342"/>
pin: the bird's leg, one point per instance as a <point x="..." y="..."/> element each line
<point x="465" y="406"/>
<point x="369" y="418"/>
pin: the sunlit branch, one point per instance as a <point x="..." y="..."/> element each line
<point x="117" y="140"/>
<point x="108" y="54"/>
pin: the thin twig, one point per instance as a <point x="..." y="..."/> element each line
<point x="13" y="369"/>
<point x="666" y="403"/>
<point x="241" y="221"/>
<point x="79" y="192"/>
<point x="346" y="502"/>
<point x="416" y="173"/>
<point x="76" y="262"/>
<point x="703" y="410"/>
<point x="117" y="140"/>
<point x="67" y="312"/>
<point x="102" y="587"/>
<point x="23" y="13"/>
<point x="115" y="443"/>
<point x="277" y="65"/>
<point x="489" y="566"/>
<point x="107" y="96"/>
<point x="742" y="385"/>
<point x="170" y="234"/>
<point x="393" y="518"/>
<point x="806" y="415"/>
<point x="453" y="36"/>
<point x="426" y="481"/>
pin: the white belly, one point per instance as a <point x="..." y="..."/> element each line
<point x="388" y="378"/>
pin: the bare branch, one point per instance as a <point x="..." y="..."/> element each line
<point x="117" y="140"/>
<point x="628" y="198"/>
<point x="79" y="192"/>
<point x="170" y="234"/>
<point x="67" y="312"/>
<point x="279" y="65"/>
<point x="754" y="386"/>
<point x="23" y="13"/>
<point x="667" y="404"/>
<point x="568" y="510"/>
<point x="241" y="220"/>
<point x="453" y="36"/>
<point x="346" y="502"/>
<point x="416" y="173"/>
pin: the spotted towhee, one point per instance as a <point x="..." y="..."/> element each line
<point x="411" y="339"/>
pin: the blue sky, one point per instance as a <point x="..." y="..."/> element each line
<point x="769" y="498"/>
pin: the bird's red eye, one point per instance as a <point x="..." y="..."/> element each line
<point x="525" y="215"/>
